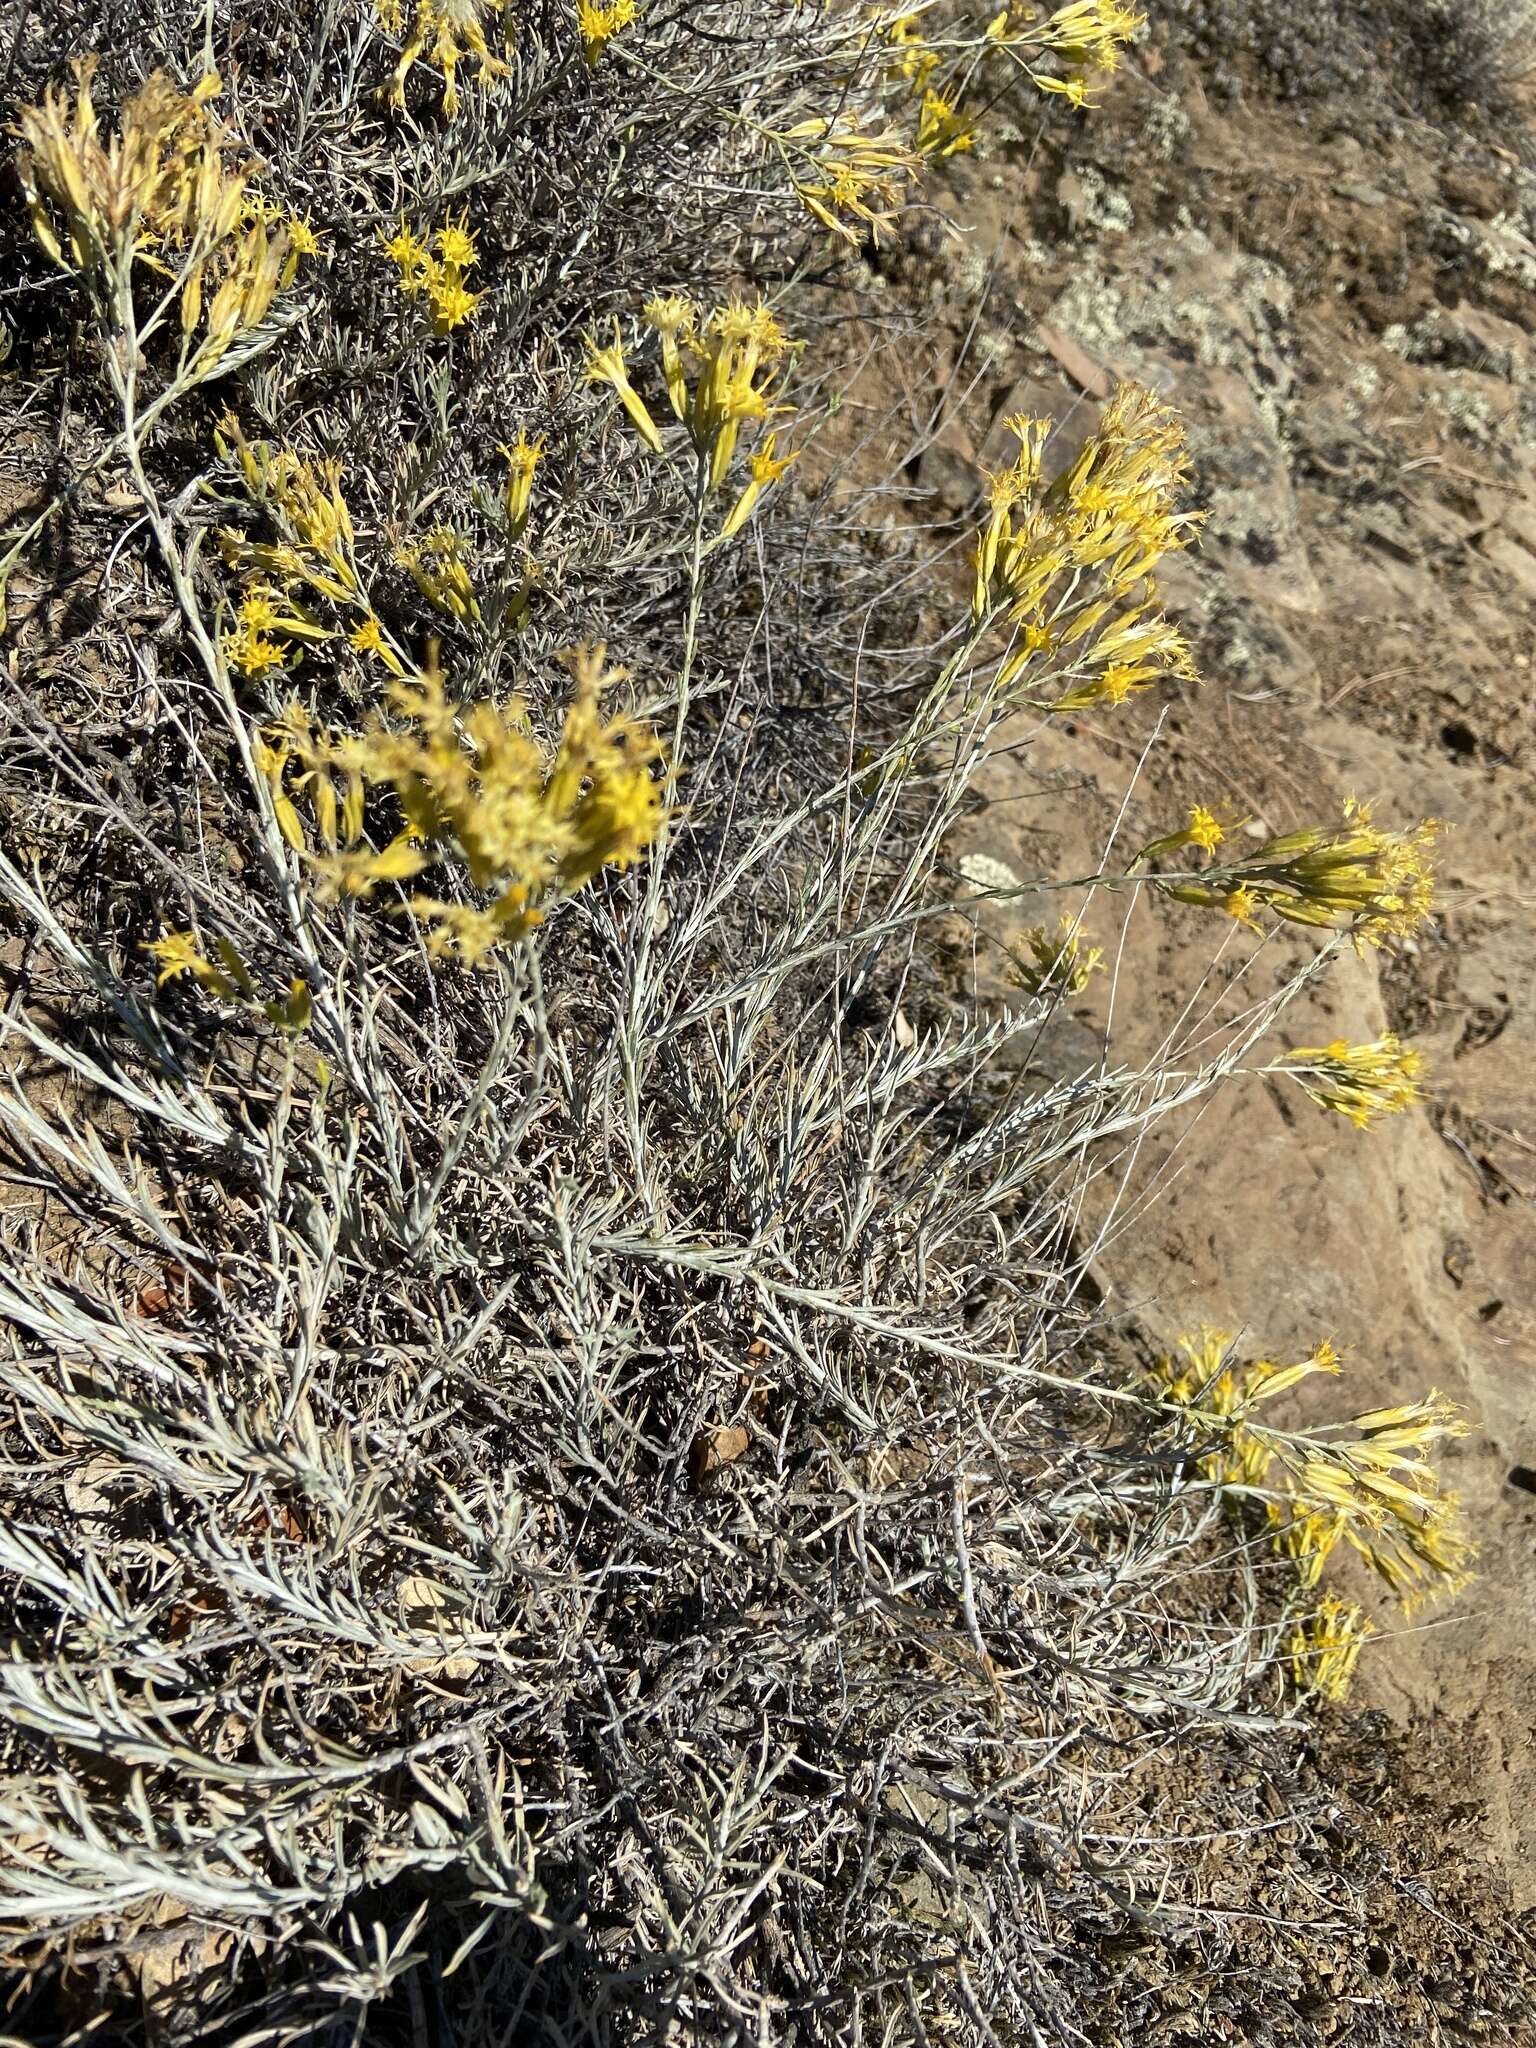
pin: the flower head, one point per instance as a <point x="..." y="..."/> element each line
<point x="598" y="22"/>
<point x="674" y="317"/>
<point x="455" y="243"/>
<point x="943" y="127"/>
<point x="1086" y="36"/>
<point x="1368" y="1482"/>
<point x="410" y="256"/>
<point x="1361" y="1082"/>
<point x="439" y="277"/>
<point x="1326" y="1646"/>
<point x="528" y="823"/>
<point x="302" y="236"/>
<point x="1352" y="877"/>
<point x="253" y="653"/>
<point x="855" y="171"/>
<point x="606" y="365"/>
<point x="178" y="953"/>
<point x="914" y="61"/>
<point x="452" y="301"/>
<point x="1055" y="963"/>
<point x="169" y="189"/>
<point x="447" y="31"/>
<point x="764" y="467"/>
<point x="1068" y="565"/>
<point x="305" y="502"/>
<point x="522" y="460"/>
<point x="438" y="566"/>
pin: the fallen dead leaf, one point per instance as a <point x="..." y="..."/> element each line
<point x="713" y="1450"/>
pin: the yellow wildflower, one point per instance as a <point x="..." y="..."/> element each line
<point x="1368" y="1483"/>
<point x="178" y="953"/>
<point x="440" y="572"/>
<point x="915" y="61"/>
<point x="1265" y="1379"/>
<point x="1069" y="566"/>
<point x="253" y="653"/>
<point x="167" y="174"/>
<point x="1326" y="1646"/>
<point x="448" y="29"/>
<point x="1086" y="36"/>
<point x="368" y="637"/>
<point x="674" y="318"/>
<point x="763" y="468"/>
<point x="439" y="278"/>
<point x="410" y="255"/>
<point x="528" y="826"/>
<point x="1204" y="831"/>
<point x="942" y="128"/>
<point x="522" y="460"/>
<point x="607" y="366"/>
<point x="1352" y="877"/>
<point x="259" y="609"/>
<point x="452" y="301"/>
<point x="169" y="189"/>
<point x="1057" y="963"/>
<point x="455" y="243"/>
<point x="598" y="22"/>
<point x="1212" y="1391"/>
<point x="304" y="239"/>
<point x="305" y="500"/>
<point x="855" y="173"/>
<point x="733" y="381"/>
<point x="1361" y="1082"/>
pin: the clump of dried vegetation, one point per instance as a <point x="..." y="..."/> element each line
<point x="559" y="1485"/>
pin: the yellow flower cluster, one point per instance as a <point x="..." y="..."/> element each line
<point x="1383" y="1497"/>
<point x="270" y="630"/>
<point x="1070" y="54"/>
<point x="446" y="31"/>
<point x="438" y="564"/>
<point x="853" y="171"/>
<point x="944" y="128"/>
<point x="1325" y="1647"/>
<point x="473" y="783"/>
<point x="1368" y="1482"/>
<point x="178" y="953"/>
<point x="720" y="372"/>
<point x="522" y="460"/>
<point x="169" y="188"/>
<point x="1054" y="963"/>
<point x="1087" y="37"/>
<point x="304" y="238"/>
<point x="598" y="22"/>
<point x="1362" y="1082"/>
<point x="1351" y="877"/>
<point x="914" y="59"/>
<point x="1068" y="566"/>
<point x="312" y="558"/>
<point x="298" y="756"/>
<point x="436" y="270"/>
<point x="1218" y="1397"/>
<point x="228" y="978"/>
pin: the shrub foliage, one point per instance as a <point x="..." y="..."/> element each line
<point x="557" y="1484"/>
